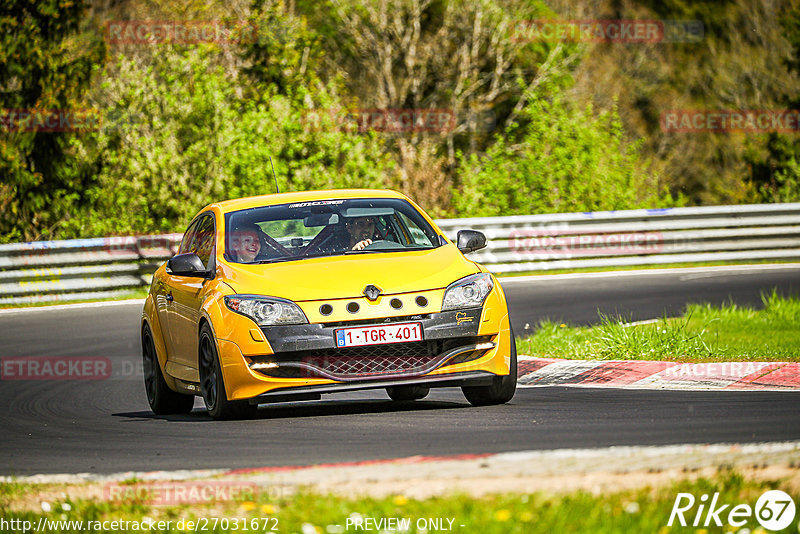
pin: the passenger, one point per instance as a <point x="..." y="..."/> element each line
<point x="245" y="243"/>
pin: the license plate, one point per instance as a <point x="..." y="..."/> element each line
<point x="377" y="335"/>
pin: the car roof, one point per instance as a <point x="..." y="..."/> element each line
<point x="237" y="204"/>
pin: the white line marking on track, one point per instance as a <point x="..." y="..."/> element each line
<point x="719" y="269"/>
<point x="79" y="305"/>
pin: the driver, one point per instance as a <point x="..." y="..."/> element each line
<point x="245" y="243"/>
<point x="361" y="230"/>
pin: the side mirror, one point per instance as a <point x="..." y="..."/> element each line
<point x="188" y="264"/>
<point x="470" y="240"/>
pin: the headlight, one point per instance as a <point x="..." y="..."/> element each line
<point x="266" y="311"/>
<point x="469" y="292"/>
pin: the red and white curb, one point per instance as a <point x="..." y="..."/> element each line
<point x="658" y="375"/>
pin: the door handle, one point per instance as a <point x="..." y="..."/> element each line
<point x="169" y="297"/>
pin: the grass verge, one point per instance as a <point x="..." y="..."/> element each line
<point x="643" y="510"/>
<point x="138" y="293"/>
<point x="703" y="334"/>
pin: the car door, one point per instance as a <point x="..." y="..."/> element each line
<point x="187" y="296"/>
<point x="164" y="294"/>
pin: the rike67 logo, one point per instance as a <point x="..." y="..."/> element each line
<point x="774" y="510"/>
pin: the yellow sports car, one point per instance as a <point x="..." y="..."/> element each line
<point x="284" y="297"/>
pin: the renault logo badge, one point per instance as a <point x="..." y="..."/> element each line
<point x="372" y="292"/>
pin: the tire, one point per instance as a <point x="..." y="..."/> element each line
<point x="503" y="387"/>
<point x="162" y="400"/>
<point x="407" y="393"/>
<point x="212" y="385"/>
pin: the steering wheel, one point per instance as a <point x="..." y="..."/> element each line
<point x="381" y="244"/>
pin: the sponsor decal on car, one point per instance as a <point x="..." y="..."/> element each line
<point x="462" y="317"/>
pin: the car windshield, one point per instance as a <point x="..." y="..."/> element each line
<point x="300" y="230"/>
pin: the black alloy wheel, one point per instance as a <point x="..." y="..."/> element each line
<point x="407" y="393"/>
<point x="502" y="388"/>
<point x="212" y="385"/>
<point x="160" y="397"/>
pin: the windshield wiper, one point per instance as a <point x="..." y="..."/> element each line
<point x="394" y="249"/>
<point x="279" y="260"/>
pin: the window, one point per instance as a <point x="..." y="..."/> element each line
<point x="324" y="228"/>
<point x="203" y="239"/>
<point x="186" y="242"/>
<point x="415" y="234"/>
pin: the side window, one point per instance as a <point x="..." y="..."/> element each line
<point x="203" y="242"/>
<point x="186" y="242"/>
<point x="417" y="236"/>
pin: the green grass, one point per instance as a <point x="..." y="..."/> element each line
<point x="643" y="510"/>
<point x="12" y="490"/>
<point x="703" y="334"/>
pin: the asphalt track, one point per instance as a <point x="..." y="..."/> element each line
<point x="105" y="426"/>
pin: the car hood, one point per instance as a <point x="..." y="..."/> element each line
<point x="347" y="276"/>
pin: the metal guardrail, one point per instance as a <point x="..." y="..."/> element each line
<point x="636" y="237"/>
<point x="75" y="269"/>
<point x="106" y="267"/>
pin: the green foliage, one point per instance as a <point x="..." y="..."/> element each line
<point x="284" y="54"/>
<point x="47" y="57"/>
<point x="184" y="138"/>
<point x="646" y="508"/>
<point x="578" y="124"/>
<point x="666" y="339"/>
<point x="742" y="62"/>
<point x="564" y="160"/>
<point x="775" y="168"/>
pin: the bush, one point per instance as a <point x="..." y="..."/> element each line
<point x="560" y="161"/>
<point x="182" y="137"/>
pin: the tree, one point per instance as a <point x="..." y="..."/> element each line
<point x="774" y="159"/>
<point x="191" y="130"/>
<point x="454" y="55"/>
<point x="742" y="61"/>
<point x="48" y="55"/>
<point x="563" y="160"/>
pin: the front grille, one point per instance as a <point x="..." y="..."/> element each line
<point x="368" y="366"/>
<point x="370" y="361"/>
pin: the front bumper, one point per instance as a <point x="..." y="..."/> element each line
<point x="458" y="348"/>
<point x="301" y="393"/>
<point x="308" y="337"/>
